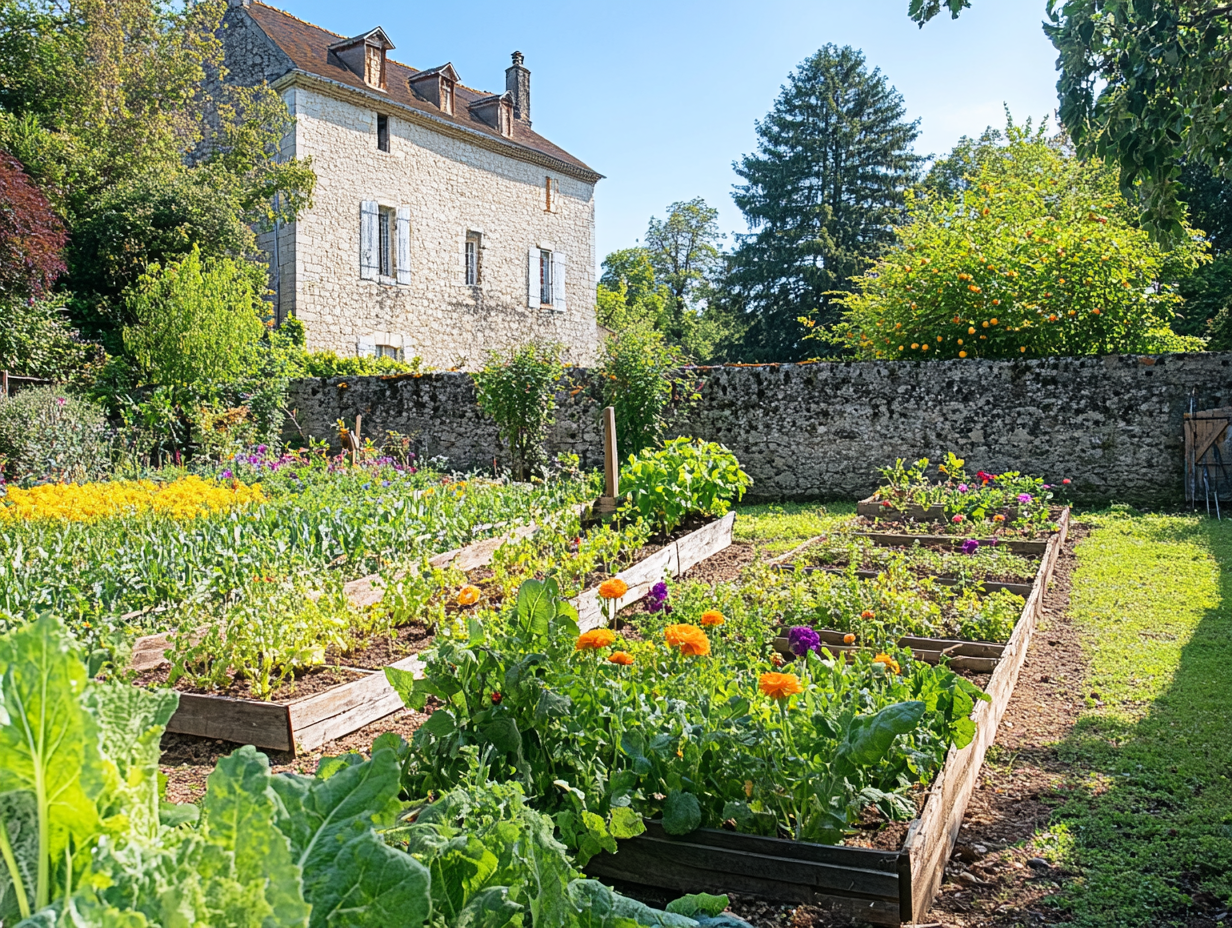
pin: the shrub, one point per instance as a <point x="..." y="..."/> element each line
<point x="329" y="364"/>
<point x="639" y="375"/>
<point x="31" y="235"/>
<point x="36" y="340"/>
<point x="197" y="320"/>
<point x="518" y="390"/>
<point x="685" y="477"/>
<point x="1038" y="255"/>
<point x="48" y="434"/>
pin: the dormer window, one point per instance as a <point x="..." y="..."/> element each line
<point x="496" y="111"/>
<point x="446" y="96"/>
<point x="506" y="118"/>
<point x="437" y="85"/>
<point x="364" y="55"/>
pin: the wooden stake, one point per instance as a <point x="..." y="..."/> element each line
<point x="359" y="421"/>
<point x="611" y="460"/>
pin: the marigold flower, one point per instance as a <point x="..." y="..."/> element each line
<point x="468" y="595"/>
<point x="780" y="685"/>
<point x="849" y="638"/>
<point x="624" y="658"/>
<point x="867" y="614"/>
<point x="689" y="640"/>
<point x="613" y="589"/>
<point x="890" y="663"/>
<point x="998" y="518"/>
<point x="595" y="639"/>
<point x="713" y="617"/>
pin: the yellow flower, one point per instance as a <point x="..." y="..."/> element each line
<point x="713" y="617"/>
<point x="780" y="685"/>
<point x="181" y="499"/>
<point x="613" y="589"/>
<point x="890" y="663"/>
<point x="468" y="595"/>
<point x="689" y="640"/>
<point x="595" y="639"/>
<point x="624" y="658"/>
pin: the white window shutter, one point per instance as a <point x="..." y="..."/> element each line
<point x="369" y="214"/>
<point x="532" y="294"/>
<point x="404" y="245"/>
<point x="560" y="263"/>
<point x="365" y="346"/>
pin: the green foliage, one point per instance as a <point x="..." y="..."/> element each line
<point x="821" y="196"/>
<point x="195" y="321"/>
<point x="684" y="250"/>
<point x="1039" y="255"/>
<point x="47" y="433"/>
<point x="639" y="374"/>
<point x="517" y="389"/>
<point x="690" y="739"/>
<point x="1143" y="86"/>
<point x="683" y="478"/>
<point x="37" y="341"/>
<point x="329" y="364"/>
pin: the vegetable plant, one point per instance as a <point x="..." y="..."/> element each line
<point x="685" y="477"/>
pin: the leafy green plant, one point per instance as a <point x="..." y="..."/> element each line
<point x="639" y="374"/>
<point x="36" y="340"/>
<point x="329" y="364"/>
<point x="685" y="477"/>
<point x="518" y="390"/>
<point x="48" y="433"/>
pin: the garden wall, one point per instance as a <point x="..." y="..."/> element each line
<point x="820" y="431"/>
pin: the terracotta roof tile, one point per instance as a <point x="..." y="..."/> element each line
<point x="308" y="48"/>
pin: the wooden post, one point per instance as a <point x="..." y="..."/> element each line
<point x="4" y="383"/>
<point x="611" y="464"/>
<point x="359" y="421"/>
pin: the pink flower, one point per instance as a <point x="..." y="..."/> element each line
<point x="957" y="519"/>
<point x="60" y="400"/>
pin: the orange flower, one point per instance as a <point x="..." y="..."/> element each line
<point x="998" y="518"/>
<point x="849" y="638"/>
<point x="624" y="658"/>
<point x="890" y="663"/>
<point x="613" y="589"/>
<point x="468" y="595"/>
<point x="713" y="617"/>
<point x="780" y="685"/>
<point x="595" y="639"/>
<point x="867" y="614"/>
<point x="689" y="640"/>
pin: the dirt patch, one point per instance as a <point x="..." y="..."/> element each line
<point x="384" y="650"/>
<point x="723" y="566"/>
<point x="308" y="683"/>
<point x="187" y="761"/>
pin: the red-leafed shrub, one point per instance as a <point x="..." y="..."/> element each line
<point x="31" y="235"/>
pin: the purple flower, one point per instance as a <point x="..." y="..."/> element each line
<point x="1024" y="497"/>
<point x="226" y="475"/>
<point x="261" y="449"/>
<point x="384" y="483"/>
<point x="970" y="546"/>
<point x="803" y="639"/>
<point x="60" y="400"/>
<point x="657" y="598"/>
<point x="962" y="488"/>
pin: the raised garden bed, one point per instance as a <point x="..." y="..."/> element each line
<point x="988" y="586"/>
<point x="307" y="722"/>
<point x="874" y="886"/>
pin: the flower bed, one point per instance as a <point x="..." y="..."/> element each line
<point x="186" y="498"/>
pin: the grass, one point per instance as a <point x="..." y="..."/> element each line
<point x="1149" y="831"/>
<point x="779" y="527"/>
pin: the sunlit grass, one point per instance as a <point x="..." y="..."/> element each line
<point x="776" y="528"/>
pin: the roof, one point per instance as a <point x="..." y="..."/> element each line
<point x="308" y="47"/>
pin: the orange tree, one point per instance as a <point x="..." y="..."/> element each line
<point x="1036" y="254"/>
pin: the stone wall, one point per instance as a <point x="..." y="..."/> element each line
<point x="820" y="431"/>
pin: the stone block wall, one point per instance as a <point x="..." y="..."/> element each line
<point x="1113" y="425"/>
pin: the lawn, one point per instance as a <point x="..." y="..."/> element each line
<point x="1149" y="832"/>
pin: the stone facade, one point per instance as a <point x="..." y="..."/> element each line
<point x="820" y="431"/>
<point x="450" y="179"/>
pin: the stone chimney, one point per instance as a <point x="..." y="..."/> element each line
<point x="239" y="3"/>
<point x="517" y="84"/>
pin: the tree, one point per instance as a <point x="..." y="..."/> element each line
<point x="821" y="197"/>
<point x="1038" y="255"/>
<point x="684" y="249"/>
<point x="1208" y="291"/>
<point x="1144" y="84"/>
<point x="31" y="235"/>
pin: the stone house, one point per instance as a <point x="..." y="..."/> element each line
<point x="442" y="226"/>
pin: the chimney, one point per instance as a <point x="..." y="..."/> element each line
<point x="517" y="84"/>
<point x="239" y="3"/>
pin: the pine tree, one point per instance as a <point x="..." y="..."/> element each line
<point x="821" y="197"/>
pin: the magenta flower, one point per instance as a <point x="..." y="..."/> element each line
<point x="962" y="488"/>
<point x="803" y="639"/>
<point x="970" y="546"/>
<point x="226" y="475"/>
<point x="957" y="520"/>
<point x="1024" y="497"/>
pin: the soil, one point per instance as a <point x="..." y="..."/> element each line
<point x="309" y="683"/>
<point x="384" y="650"/>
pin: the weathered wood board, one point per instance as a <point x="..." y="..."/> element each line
<point x="989" y="586"/>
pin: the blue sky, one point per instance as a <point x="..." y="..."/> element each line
<point x="662" y="97"/>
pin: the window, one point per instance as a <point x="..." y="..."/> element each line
<point x="374" y="62"/>
<point x="545" y="278"/>
<point x="388" y="241"/>
<point x="382" y="132"/>
<point x="446" y="96"/>
<point x="387" y="351"/>
<point x="551" y="191"/>
<point x="474" y="251"/>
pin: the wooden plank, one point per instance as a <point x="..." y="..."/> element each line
<point x="346" y="708"/>
<point x="934" y="657"/>
<point x="931" y="837"/>
<point x="707" y="540"/>
<point x="244" y="721"/>
<point x="894" y="540"/>
<point x="859" y="858"/>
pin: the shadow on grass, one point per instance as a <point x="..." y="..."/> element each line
<point x="1148" y="833"/>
